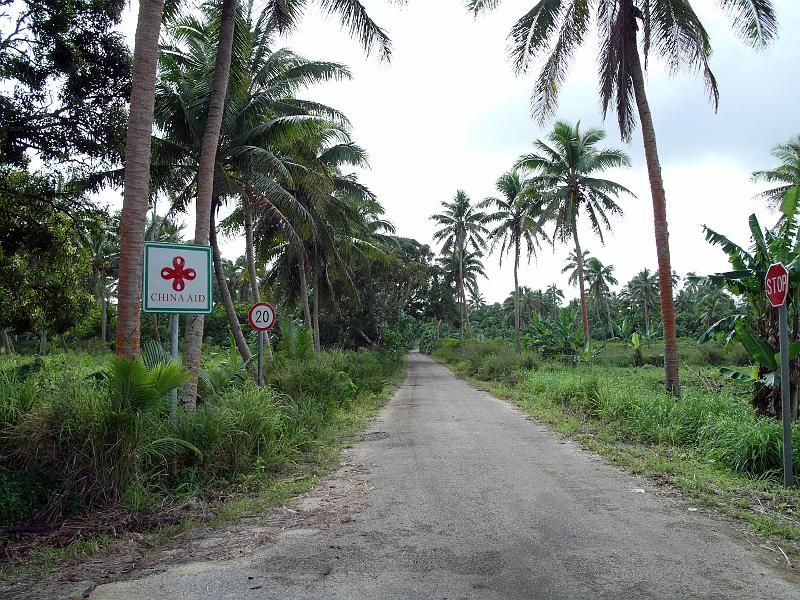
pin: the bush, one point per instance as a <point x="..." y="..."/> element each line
<point x="73" y="437"/>
<point x="314" y="379"/>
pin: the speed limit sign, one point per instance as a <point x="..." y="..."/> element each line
<point x="261" y="316"/>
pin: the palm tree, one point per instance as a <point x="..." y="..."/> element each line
<point x="137" y="177"/>
<point x="571" y="266"/>
<point x="193" y="332"/>
<point x="642" y="292"/>
<point x="567" y="167"/>
<point x="462" y="226"/>
<point x="518" y="214"/>
<point x="674" y="31"/>
<point x="713" y="306"/>
<point x="476" y="300"/>
<point x="786" y="175"/>
<point x="600" y="278"/>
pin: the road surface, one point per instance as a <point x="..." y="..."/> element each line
<point x="454" y="494"/>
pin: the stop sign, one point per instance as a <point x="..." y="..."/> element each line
<point x="777" y="283"/>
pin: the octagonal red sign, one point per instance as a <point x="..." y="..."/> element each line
<point x="777" y="283"/>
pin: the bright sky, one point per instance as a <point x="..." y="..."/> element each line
<point x="448" y="113"/>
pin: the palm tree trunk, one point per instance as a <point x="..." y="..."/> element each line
<point x="7" y="345"/>
<point x="137" y="177"/>
<point x="579" y="261"/>
<point x="646" y="311"/>
<point x="516" y="298"/>
<point x="250" y="257"/>
<point x="193" y="337"/>
<point x="103" y="318"/>
<point x="42" y="338"/>
<point x="154" y="238"/>
<point x="461" y="297"/>
<point x="608" y="313"/>
<point x="304" y="294"/>
<point x="156" y="333"/>
<point x="227" y="300"/>
<point x="315" y="298"/>
<point x="660" y="224"/>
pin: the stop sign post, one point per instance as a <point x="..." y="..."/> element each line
<point x="777" y="287"/>
<point x="262" y="317"/>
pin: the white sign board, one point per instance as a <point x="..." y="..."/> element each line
<point x="261" y="316"/>
<point x="176" y="279"/>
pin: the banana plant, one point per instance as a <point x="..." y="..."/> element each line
<point x="755" y="324"/>
<point x="636" y="344"/>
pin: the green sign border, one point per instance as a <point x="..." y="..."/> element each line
<point x="180" y="311"/>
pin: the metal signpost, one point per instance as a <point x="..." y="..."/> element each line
<point x="777" y="284"/>
<point x="176" y="280"/>
<point x="262" y="318"/>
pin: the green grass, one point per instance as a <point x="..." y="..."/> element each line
<point x="259" y="447"/>
<point x="708" y="445"/>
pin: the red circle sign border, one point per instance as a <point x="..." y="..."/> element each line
<point x="782" y="294"/>
<point x="250" y="316"/>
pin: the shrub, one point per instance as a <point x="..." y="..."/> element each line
<point x="314" y="379"/>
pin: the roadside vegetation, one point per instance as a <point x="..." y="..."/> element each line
<point x="88" y="448"/>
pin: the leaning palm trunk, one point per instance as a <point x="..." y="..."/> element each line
<point x="315" y="300"/>
<point x="304" y="294"/>
<point x="461" y="296"/>
<point x="42" y="338"/>
<point x="250" y="256"/>
<point x="661" y="231"/>
<point x="103" y="318"/>
<point x="7" y="345"/>
<point x="193" y="337"/>
<point x="233" y="319"/>
<point x="137" y="177"/>
<point x="154" y="238"/>
<point x="517" y="345"/>
<point x="579" y="261"/>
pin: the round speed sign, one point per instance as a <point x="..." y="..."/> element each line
<point x="262" y="316"/>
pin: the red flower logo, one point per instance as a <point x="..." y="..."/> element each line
<point x="178" y="274"/>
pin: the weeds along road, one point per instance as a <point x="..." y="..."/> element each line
<point x="454" y="494"/>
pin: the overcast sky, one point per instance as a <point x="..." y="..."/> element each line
<point x="448" y="113"/>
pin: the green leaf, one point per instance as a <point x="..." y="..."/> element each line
<point x="757" y="348"/>
<point x="789" y="204"/>
<point x="736" y="374"/>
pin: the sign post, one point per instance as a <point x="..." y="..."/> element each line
<point x="777" y="284"/>
<point x="262" y="318"/>
<point x="176" y="280"/>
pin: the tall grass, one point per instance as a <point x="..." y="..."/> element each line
<point x="81" y="438"/>
<point x="713" y="415"/>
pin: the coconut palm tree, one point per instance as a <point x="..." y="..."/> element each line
<point x="672" y="31"/>
<point x="477" y="300"/>
<point x="600" y="278"/>
<point x="642" y="291"/>
<point x="135" y="201"/>
<point x="567" y="167"/>
<point x="462" y="226"/>
<point x="262" y="119"/>
<point x="571" y="266"/>
<point x="518" y="214"/>
<point x="786" y="175"/>
<point x="285" y="16"/>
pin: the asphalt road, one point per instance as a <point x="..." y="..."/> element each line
<point x="453" y="494"/>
